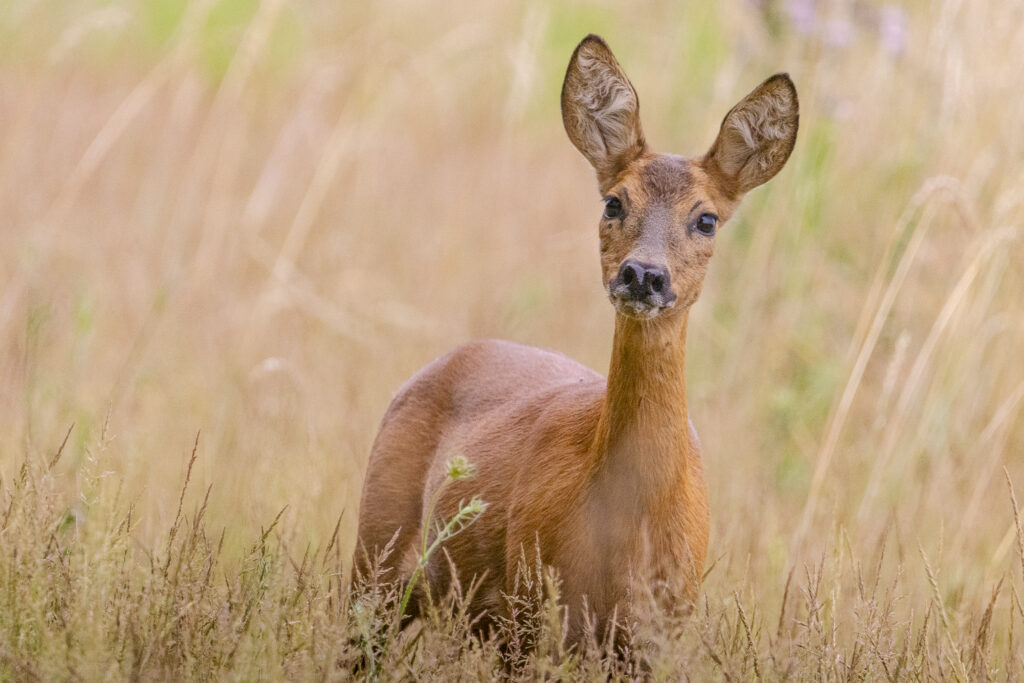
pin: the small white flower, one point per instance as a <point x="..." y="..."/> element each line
<point x="460" y="469"/>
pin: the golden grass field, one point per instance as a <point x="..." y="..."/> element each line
<point x="252" y="220"/>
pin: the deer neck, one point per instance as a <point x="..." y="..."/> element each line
<point x="644" y="444"/>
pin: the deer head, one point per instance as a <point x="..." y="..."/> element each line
<point x="661" y="211"/>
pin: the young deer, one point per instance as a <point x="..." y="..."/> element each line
<point x="602" y="478"/>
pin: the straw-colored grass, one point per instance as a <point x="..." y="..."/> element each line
<point x="252" y="220"/>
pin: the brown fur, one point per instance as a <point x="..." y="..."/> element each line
<point x="603" y="477"/>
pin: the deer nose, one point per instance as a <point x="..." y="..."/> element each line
<point x="644" y="281"/>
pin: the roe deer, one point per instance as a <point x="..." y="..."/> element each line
<point x="602" y="478"/>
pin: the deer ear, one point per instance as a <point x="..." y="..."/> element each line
<point x="600" y="110"/>
<point x="756" y="137"/>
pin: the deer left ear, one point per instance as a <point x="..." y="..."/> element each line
<point x="756" y="138"/>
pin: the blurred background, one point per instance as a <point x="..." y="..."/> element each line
<point x="255" y="219"/>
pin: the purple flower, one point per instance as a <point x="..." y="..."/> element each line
<point x="838" y="33"/>
<point x="892" y="29"/>
<point x="803" y="14"/>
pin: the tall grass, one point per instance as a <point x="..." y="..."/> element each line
<point x="254" y="219"/>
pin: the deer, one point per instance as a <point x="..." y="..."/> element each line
<point x="600" y="479"/>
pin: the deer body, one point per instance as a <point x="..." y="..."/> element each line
<point x="602" y="478"/>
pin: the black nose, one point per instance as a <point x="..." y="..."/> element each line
<point x="644" y="281"/>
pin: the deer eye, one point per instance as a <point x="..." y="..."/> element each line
<point x="706" y="224"/>
<point x="612" y="207"/>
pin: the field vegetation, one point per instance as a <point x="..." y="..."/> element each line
<point x="230" y="229"/>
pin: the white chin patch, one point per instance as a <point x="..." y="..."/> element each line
<point x="636" y="309"/>
<point x="651" y="312"/>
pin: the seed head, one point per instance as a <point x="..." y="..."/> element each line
<point x="460" y="469"/>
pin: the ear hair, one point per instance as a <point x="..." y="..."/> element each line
<point x="600" y="109"/>
<point x="756" y="137"/>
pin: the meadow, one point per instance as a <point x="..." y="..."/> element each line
<point x="230" y="230"/>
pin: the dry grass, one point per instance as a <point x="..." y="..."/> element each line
<point x="254" y="219"/>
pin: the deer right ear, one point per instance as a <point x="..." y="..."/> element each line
<point x="600" y="110"/>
